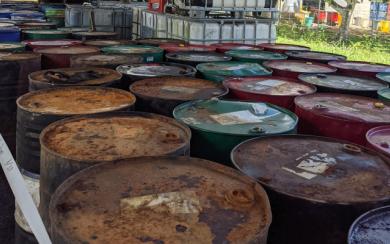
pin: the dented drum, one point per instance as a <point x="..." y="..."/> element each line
<point x="341" y="116"/>
<point x="162" y="95"/>
<point x="317" y="186"/>
<point x="38" y="109"/>
<point x="167" y="200"/>
<point x="70" y="145"/>
<point x="73" y="77"/>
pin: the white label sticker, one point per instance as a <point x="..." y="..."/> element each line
<point x="314" y="162"/>
<point x="185" y="202"/>
<point x="271" y="83"/>
<point x="305" y="175"/>
<point x="187" y="90"/>
<point x="337" y="106"/>
<point x="259" y="109"/>
<point x="149" y="59"/>
<point x="22" y="196"/>
<point x="190" y="120"/>
<point x="238" y="117"/>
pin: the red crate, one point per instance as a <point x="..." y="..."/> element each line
<point x="157" y="5"/>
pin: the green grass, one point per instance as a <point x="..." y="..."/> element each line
<point x="360" y="46"/>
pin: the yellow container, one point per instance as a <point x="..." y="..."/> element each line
<point x="384" y="26"/>
<point x="339" y="19"/>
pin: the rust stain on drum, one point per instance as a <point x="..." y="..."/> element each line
<point x="114" y="136"/>
<point x="58" y="77"/>
<point x="160" y="200"/>
<point x="104" y="60"/>
<point x="76" y="100"/>
<point x="72" y="50"/>
<point x="316" y="169"/>
<point x="177" y="88"/>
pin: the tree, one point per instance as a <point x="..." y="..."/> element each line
<point x="346" y="14"/>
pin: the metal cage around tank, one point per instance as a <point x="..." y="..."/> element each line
<point x="117" y="18"/>
<point x="248" y="29"/>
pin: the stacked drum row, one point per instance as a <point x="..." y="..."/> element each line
<point x="101" y="172"/>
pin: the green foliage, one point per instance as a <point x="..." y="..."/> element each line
<point x="359" y="46"/>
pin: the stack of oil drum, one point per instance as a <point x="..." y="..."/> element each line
<point x="160" y="141"/>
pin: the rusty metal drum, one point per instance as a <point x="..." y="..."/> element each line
<point x="170" y="48"/>
<point x="91" y="35"/>
<point x="344" y="84"/>
<point x="224" y="47"/>
<point x="194" y="58"/>
<point x="341" y="116"/>
<point x="276" y="90"/>
<point x="162" y="95"/>
<point x="282" y="48"/>
<point x="378" y="138"/>
<point x="73" y="77"/>
<point x="110" y="61"/>
<point x="293" y="68"/>
<point x="317" y="186"/>
<point x="166" y="200"/>
<point x="312" y="56"/>
<point x="70" y="145"/>
<point x="32" y="44"/>
<point x="371" y="227"/>
<point x="38" y="109"/>
<point x="106" y="43"/>
<point x="59" y="57"/>
<point x="359" y="69"/>
<point x="15" y="68"/>
<point x="157" y="41"/>
<point x="136" y="72"/>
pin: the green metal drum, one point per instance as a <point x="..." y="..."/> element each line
<point x="218" y="71"/>
<point x="384" y="77"/>
<point x="45" y="34"/>
<point x="218" y="126"/>
<point x="254" y="56"/>
<point x="384" y="95"/>
<point x="150" y="54"/>
<point x="73" y="29"/>
<point x="11" y="47"/>
<point x="59" y="21"/>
